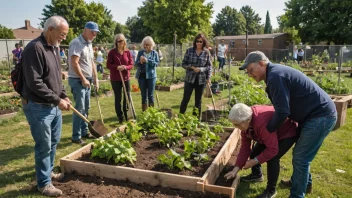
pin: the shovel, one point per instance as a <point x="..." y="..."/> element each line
<point x="96" y="97"/>
<point x="97" y="129"/>
<point x="212" y="99"/>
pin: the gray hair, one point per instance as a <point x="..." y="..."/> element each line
<point x="54" y="22"/>
<point x="150" y="39"/>
<point x="240" y="113"/>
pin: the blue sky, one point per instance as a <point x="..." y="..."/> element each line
<point x="14" y="12"/>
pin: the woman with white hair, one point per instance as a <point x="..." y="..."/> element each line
<point x="120" y="61"/>
<point x="269" y="147"/>
<point x="146" y="63"/>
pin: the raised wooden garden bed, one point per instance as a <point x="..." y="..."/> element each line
<point x="11" y="94"/>
<point x="5" y="116"/>
<point x="169" y="88"/>
<point x="341" y="103"/>
<point x="205" y="182"/>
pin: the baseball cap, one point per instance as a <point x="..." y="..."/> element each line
<point x="253" y="57"/>
<point x="92" y="26"/>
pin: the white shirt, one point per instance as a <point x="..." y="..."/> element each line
<point x="221" y="50"/>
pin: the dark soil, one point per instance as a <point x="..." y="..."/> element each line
<point x="148" y="149"/>
<point x="7" y="111"/>
<point x="88" y="186"/>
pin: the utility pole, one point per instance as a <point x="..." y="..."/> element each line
<point x="246" y="42"/>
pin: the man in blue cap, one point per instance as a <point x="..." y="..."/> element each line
<point x="81" y="73"/>
<point x="297" y="97"/>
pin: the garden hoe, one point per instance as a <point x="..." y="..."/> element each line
<point x="96" y="128"/>
<point x="212" y="99"/>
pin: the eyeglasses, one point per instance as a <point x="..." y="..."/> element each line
<point x="62" y="35"/>
<point x="199" y="41"/>
<point x="120" y="41"/>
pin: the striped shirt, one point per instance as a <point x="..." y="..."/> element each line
<point x="202" y="61"/>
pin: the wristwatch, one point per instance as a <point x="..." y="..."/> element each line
<point x="256" y="160"/>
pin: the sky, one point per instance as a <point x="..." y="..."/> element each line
<point x="13" y="13"/>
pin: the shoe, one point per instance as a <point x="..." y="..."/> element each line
<point x="79" y="141"/>
<point x="88" y="136"/>
<point x="252" y="178"/>
<point x="288" y="184"/>
<point x="50" y="191"/>
<point x="56" y="176"/>
<point x="267" y="194"/>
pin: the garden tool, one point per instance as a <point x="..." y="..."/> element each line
<point x="212" y="99"/>
<point x="96" y="128"/>
<point x="96" y="97"/>
<point x="127" y="96"/>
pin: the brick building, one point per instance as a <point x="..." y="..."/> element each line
<point x="275" y="46"/>
<point x="27" y="32"/>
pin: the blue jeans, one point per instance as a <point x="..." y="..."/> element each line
<point x="81" y="96"/>
<point x="147" y="87"/>
<point x="221" y="62"/>
<point x="45" y="122"/>
<point x="313" y="133"/>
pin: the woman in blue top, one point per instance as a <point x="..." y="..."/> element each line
<point x="147" y="60"/>
<point x="197" y="63"/>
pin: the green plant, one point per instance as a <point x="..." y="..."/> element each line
<point x="249" y="94"/>
<point x="294" y="65"/>
<point x="216" y="78"/>
<point x="6" y="89"/>
<point x="195" y="150"/>
<point x="118" y="149"/>
<point x="165" y="79"/>
<point x="218" y="128"/>
<point x="132" y="132"/>
<point x="330" y="85"/>
<point x="151" y="118"/>
<point x="189" y="123"/>
<point x="168" y="133"/>
<point x="225" y="122"/>
<point x="13" y="103"/>
<point x="174" y="160"/>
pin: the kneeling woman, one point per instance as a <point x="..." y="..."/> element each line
<point x="197" y="63"/>
<point x="269" y="147"/>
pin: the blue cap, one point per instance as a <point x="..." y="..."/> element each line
<point x="92" y="26"/>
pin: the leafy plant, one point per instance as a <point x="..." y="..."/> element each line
<point x="114" y="148"/>
<point x="189" y="123"/>
<point x="6" y="89"/>
<point x="218" y="128"/>
<point x="294" y="65"/>
<point x="132" y="132"/>
<point x="165" y="79"/>
<point x="174" y="160"/>
<point x="168" y="133"/>
<point x="249" y="94"/>
<point x="195" y="150"/>
<point x="330" y="85"/>
<point x="151" y="118"/>
<point x="225" y="122"/>
<point x="7" y="103"/>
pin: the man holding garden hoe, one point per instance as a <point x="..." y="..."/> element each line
<point x="297" y="97"/>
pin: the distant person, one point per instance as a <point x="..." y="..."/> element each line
<point x="120" y="60"/>
<point x="81" y="74"/>
<point x="300" y="55"/>
<point x="100" y="60"/>
<point x="16" y="53"/>
<point x="134" y="53"/>
<point x="44" y="97"/>
<point x="146" y="63"/>
<point x="63" y="55"/>
<point x="295" y="52"/>
<point x="197" y="63"/>
<point x="221" y="51"/>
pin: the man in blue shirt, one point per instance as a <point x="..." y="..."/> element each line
<point x="297" y="97"/>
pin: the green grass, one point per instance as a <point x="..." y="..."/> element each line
<point x="17" y="173"/>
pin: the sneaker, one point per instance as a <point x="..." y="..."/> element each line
<point x="252" y="178"/>
<point x="288" y="184"/>
<point x="56" y="176"/>
<point x="79" y="141"/>
<point x="50" y="191"/>
<point x="88" y="136"/>
<point x="267" y="194"/>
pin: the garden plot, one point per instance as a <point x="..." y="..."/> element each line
<point x="9" y="106"/>
<point x="187" y="156"/>
<point x="165" y="81"/>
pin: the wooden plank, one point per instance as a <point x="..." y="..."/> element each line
<point x="78" y="153"/>
<point x="220" y="189"/>
<point x="8" y="115"/>
<point x="227" y="129"/>
<point x="169" y="88"/>
<point x="236" y="182"/>
<point x="9" y="94"/>
<point x="135" y="175"/>
<point x="222" y="158"/>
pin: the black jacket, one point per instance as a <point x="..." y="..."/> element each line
<point x="42" y="72"/>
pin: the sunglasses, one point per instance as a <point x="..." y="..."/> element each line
<point x="120" y="41"/>
<point x="199" y="41"/>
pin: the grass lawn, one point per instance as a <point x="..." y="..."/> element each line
<point x="17" y="173"/>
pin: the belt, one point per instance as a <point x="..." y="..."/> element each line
<point x="45" y="104"/>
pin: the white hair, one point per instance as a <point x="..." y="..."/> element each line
<point x="240" y="113"/>
<point x="150" y="39"/>
<point x="54" y="22"/>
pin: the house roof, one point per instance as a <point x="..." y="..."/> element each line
<point x="23" y="33"/>
<point x="255" y="36"/>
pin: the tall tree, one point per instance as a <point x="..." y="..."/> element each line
<point x="120" y="28"/>
<point x="183" y="17"/>
<point x="268" y="29"/>
<point x="229" y="22"/>
<point x="315" y="25"/>
<point x="77" y="13"/>
<point x="6" y="33"/>
<point x="252" y="19"/>
<point x="137" y="30"/>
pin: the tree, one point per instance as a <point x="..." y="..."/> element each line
<point x="183" y="17"/>
<point x="137" y="30"/>
<point x="252" y="19"/>
<point x="229" y="22"/>
<point x="77" y="13"/>
<point x="120" y="28"/>
<point x="6" y="33"/>
<point x="268" y="29"/>
<point x="319" y="21"/>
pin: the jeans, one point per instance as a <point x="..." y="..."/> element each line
<point x="81" y="96"/>
<point x="100" y="68"/>
<point x="45" y="122"/>
<point x="187" y="93"/>
<point x="147" y="87"/>
<point x="117" y="87"/>
<point x="221" y="62"/>
<point x="273" y="168"/>
<point x="313" y="133"/>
